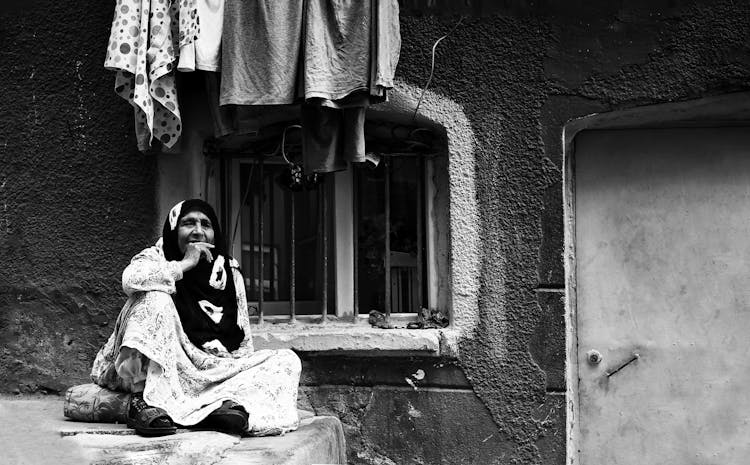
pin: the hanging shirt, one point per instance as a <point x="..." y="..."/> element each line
<point x="205" y="52"/>
<point x="337" y="48"/>
<point x="144" y="43"/>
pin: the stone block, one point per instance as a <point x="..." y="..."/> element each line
<point x="318" y="440"/>
<point x="396" y="425"/>
<point x="437" y="426"/>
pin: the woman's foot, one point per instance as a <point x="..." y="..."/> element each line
<point x="148" y="420"/>
<point x="230" y="418"/>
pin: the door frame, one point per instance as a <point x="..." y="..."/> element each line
<point x="723" y="110"/>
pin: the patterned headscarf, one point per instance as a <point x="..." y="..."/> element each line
<point x="206" y="298"/>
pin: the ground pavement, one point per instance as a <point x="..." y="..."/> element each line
<point x="33" y="431"/>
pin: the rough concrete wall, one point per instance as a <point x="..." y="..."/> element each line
<point x="519" y="75"/>
<point x="76" y="198"/>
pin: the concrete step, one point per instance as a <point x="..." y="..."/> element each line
<point x="34" y="431"/>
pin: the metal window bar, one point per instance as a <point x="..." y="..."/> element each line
<point x="387" y="258"/>
<point x="261" y="202"/>
<point x="355" y="215"/>
<point x="292" y="261"/>
<point x="420" y="192"/>
<point x="323" y="196"/>
<point x="272" y="281"/>
<point x="253" y="261"/>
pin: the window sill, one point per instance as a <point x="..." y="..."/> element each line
<point x="356" y="340"/>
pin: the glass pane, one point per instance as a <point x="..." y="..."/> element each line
<point x="405" y="236"/>
<point x="276" y="243"/>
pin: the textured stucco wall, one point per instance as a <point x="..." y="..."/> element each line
<point x="519" y="76"/>
<point x="77" y="199"/>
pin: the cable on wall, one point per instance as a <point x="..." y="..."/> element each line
<point x="432" y="66"/>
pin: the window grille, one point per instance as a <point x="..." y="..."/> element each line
<point x="287" y="237"/>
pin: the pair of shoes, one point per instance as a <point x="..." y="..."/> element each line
<point x="230" y="418"/>
<point x="148" y="420"/>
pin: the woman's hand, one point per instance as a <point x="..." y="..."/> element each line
<point x="194" y="251"/>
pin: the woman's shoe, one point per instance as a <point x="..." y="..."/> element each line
<point x="230" y="418"/>
<point x="148" y="420"/>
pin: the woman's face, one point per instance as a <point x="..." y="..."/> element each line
<point x="194" y="227"/>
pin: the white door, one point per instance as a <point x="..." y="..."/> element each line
<point x="662" y="265"/>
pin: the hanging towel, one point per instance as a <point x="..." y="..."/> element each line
<point x="144" y="44"/>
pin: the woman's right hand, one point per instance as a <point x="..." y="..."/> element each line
<point x="194" y="251"/>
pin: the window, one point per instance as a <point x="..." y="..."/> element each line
<point x="341" y="245"/>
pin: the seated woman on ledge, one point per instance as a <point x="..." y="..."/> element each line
<point x="182" y="342"/>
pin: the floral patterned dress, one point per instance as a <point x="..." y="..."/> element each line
<point x="187" y="382"/>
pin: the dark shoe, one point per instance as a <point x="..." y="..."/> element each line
<point x="230" y="418"/>
<point x="147" y="420"/>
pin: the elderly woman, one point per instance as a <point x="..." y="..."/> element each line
<point x="182" y="344"/>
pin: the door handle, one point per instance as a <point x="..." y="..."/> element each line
<point x="635" y="357"/>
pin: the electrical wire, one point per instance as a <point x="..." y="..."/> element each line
<point x="432" y="66"/>
<point x="283" y="141"/>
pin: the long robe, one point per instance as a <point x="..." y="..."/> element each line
<point x="187" y="382"/>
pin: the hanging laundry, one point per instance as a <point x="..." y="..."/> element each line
<point x="145" y="41"/>
<point x="332" y="138"/>
<point x="350" y="56"/>
<point x="261" y="44"/>
<point x="386" y="45"/>
<point x="205" y="52"/>
<point x="334" y="57"/>
<point x="337" y="48"/>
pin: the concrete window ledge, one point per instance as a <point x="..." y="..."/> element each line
<point x="356" y="340"/>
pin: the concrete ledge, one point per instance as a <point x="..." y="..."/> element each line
<point x="318" y="440"/>
<point x="35" y="432"/>
<point x="352" y="339"/>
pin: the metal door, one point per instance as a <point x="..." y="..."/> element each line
<point x="662" y="296"/>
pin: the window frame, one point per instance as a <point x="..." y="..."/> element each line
<point x="341" y="238"/>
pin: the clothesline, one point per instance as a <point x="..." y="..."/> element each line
<point x="332" y="59"/>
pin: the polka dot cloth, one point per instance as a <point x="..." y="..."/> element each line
<point x="144" y="45"/>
